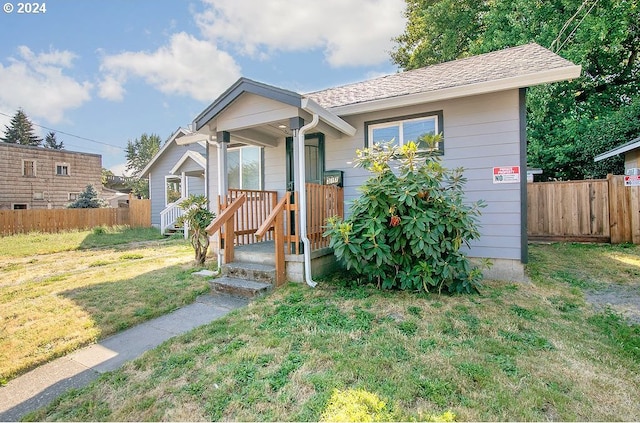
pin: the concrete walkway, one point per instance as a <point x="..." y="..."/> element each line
<point x="44" y="384"/>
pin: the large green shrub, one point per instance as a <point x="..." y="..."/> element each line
<point x="406" y="228"/>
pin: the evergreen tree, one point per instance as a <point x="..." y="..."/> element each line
<point x="88" y="199"/>
<point x="50" y="141"/>
<point x="20" y="131"/>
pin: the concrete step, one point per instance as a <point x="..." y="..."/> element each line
<point x="239" y="287"/>
<point x="251" y="256"/>
<point x="257" y="272"/>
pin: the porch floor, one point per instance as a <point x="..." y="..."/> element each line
<point x="258" y="247"/>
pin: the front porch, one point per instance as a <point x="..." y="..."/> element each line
<point x="255" y="226"/>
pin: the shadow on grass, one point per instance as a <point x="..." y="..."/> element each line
<point x="118" y="305"/>
<point x="105" y="237"/>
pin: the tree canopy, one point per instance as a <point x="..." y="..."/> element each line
<point x="601" y="35"/>
<point x="20" y="131"/>
<point x="139" y="153"/>
<point x="51" y="141"/>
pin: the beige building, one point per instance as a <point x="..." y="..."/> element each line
<point x="40" y="178"/>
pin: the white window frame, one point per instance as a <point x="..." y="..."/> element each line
<point x="34" y="168"/>
<point x="260" y="165"/>
<point x="39" y="195"/>
<point x="62" y="166"/>
<point x="73" y="196"/>
<point x="13" y="206"/>
<point x="400" y="121"/>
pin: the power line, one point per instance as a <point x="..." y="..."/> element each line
<point x="69" y="134"/>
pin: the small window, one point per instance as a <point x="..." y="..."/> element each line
<point x="402" y="130"/>
<point x="20" y="206"/>
<point x="29" y="168"/>
<point x="62" y="169"/>
<point x="73" y="196"/>
<point x="38" y="195"/>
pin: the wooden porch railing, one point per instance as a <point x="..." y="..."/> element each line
<point x="323" y="202"/>
<point x="226" y="220"/>
<point x="251" y="215"/>
<point x="275" y="221"/>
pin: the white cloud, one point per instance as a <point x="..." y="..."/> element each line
<point x="186" y="66"/>
<point x="37" y="83"/>
<point x="354" y="32"/>
<point x="119" y="169"/>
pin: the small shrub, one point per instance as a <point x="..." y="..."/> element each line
<point x="197" y="217"/>
<point x="408" y="225"/>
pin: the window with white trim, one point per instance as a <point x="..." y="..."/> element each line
<point x="28" y="168"/>
<point x="402" y="130"/>
<point x="73" y="196"/>
<point x="244" y="168"/>
<point x="38" y="195"/>
<point x="62" y="169"/>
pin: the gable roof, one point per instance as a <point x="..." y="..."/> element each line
<point x="180" y="132"/>
<point x="245" y="85"/>
<point x="196" y="157"/>
<point x="515" y="67"/>
<point x="628" y="146"/>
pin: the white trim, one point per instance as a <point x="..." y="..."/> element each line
<point x="166" y="181"/>
<point x="618" y="150"/>
<point x="327" y="116"/>
<point x="485" y="87"/>
<point x="400" y="124"/>
<point x="195" y="156"/>
<point x="260" y="165"/>
<point x="62" y="165"/>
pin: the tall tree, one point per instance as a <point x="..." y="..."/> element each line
<point x="139" y="153"/>
<point x="601" y="35"/>
<point x="50" y="141"/>
<point x="20" y="131"/>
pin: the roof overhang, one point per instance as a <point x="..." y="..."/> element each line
<point x="328" y="117"/>
<point x="631" y="145"/>
<point x="485" y="87"/>
<point x="196" y="157"/>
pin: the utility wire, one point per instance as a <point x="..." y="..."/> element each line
<point x="566" y="25"/>
<point x="69" y="134"/>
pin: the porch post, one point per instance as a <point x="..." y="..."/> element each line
<point x="223" y="138"/>
<point x="295" y="124"/>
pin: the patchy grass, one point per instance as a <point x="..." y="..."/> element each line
<point x="516" y="352"/>
<point x="55" y="301"/>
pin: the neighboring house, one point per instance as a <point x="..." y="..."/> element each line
<point x="174" y="173"/>
<point x="115" y="198"/>
<point x="478" y="104"/>
<point x="631" y="151"/>
<point x="41" y="178"/>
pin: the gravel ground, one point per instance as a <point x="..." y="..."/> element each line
<point x="623" y="299"/>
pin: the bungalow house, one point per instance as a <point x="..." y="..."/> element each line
<point x="264" y="142"/>
<point x="174" y="173"/>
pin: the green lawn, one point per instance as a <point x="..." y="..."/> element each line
<point x="62" y="291"/>
<point x="515" y="352"/>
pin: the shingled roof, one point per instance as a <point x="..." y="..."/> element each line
<point x="503" y="65"/>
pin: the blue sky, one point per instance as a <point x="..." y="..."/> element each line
<point x="110" y="70"/>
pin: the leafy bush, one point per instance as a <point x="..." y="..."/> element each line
<point x="408" y="225"/>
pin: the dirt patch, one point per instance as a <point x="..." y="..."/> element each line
<point x="623" y="299"/>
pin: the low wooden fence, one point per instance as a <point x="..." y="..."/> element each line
<point x="602" y="210"/>
<point x="138" y="214"/>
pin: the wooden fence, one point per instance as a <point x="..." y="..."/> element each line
<point x="138" y="214"/>
<point x="602" y="210"/>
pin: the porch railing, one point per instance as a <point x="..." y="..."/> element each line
<point x="170" y="215"/>
<point x="251" y="214"/>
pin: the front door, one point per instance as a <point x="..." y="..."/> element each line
<point x="313" y="160"/>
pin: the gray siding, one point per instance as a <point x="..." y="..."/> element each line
<point x="480" y="132"/>
<point x="161" y="168"/>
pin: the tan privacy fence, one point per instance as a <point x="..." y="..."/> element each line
<point x="601" y="210"/>
<point x="138" y="214"/>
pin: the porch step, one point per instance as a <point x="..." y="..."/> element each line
<point x="257" y="272"/>
<point x="239" y="287"/>
<point x="256" y="253"/>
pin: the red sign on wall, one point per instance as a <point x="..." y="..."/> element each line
<point x="506" y="175"/>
